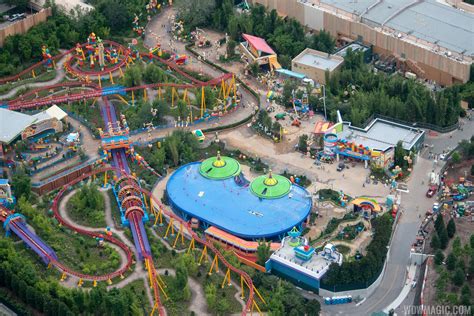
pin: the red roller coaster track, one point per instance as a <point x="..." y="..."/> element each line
<point x="168" y="213"/>
<point x="134" y="215"/>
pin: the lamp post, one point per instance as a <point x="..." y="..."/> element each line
<point x="324" y="101"/>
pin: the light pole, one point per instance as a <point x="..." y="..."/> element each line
<point x="324" y="102"/>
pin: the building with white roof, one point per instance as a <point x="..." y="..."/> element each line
<point x="302" y="264"/>
<point x="314" y="64"/>
<point x="16" y="125"/>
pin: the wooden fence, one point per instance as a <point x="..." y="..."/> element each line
<point x="22" y="26"/>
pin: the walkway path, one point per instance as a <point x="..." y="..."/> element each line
<point x="60" y="74"/>
<point x="65" y="214"/>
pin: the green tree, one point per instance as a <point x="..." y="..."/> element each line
<point x="439" y="223"/>
<point x="153" y="74"/>
<point x="195" y="13"/>
<point x="230" y="49"/>
<point x="19" y="4"/>
<point x="399" y="155"/>
<point x="21" y="184"/>
<point x="443" y="238"/>
<point x="451" y="262"/>
<point x="303" y="143"/>
<point x="439" y="257"/>
<point x="456" y="247"/>
<point x="456" y="157"/>
<point x="285" y="61"/>
<point x="458" y="277"/>
<point x="312" y="307"/>
<point x="323" y="41"/>
<point x="466" y="295"/>
<point x="451" y="228"/>
<point x="435" y="243"/>
<point x="133" y="76"/>
<point x="116" y="14"/>
<point x="287" y="94"/>
<point x="254" y="69"/>
<point x="211" y="296"/>
<point x="263" y="252"/>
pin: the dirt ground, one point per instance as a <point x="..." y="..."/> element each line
<point x="212" y="53"/>
<point x="461" y="170"/>
<point x="326" y="212"/>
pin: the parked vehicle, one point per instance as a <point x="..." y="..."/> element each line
<point x="16" y="17"/>
<point x="340" y="166"/>
<point x="431" y="191"/>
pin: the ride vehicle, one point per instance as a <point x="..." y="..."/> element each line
<point x="199" y="135"/>
<point x="431" y="191"/>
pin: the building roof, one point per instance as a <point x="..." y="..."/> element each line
<point x="272" y="186"/>
<point x="382" y="135"/>
<point x="290" y="73"/>
<point x="428" y="20"/>
<point x="219" y="167"/>
<point x="230" y="205"/>
<point x="66" y="5"/>
<point x="354" y="46"/>
<point x="12" y="124"/>
<point x="316" y="59"/>
<point x="236" y="241"/>
<point x="321" y="127"/>
<point x="53" y="112"/>
<point x="259" y="44"/>
<point x="315" y="268"/>
<point x="56" y="112"/>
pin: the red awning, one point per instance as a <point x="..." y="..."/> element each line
<point x="259" y="44"/>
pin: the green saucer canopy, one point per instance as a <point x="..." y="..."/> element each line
<point x="219" y="167"/>
<point x="270" y="186"/>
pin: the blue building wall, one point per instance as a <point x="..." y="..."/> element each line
<point x="298" y="278"/>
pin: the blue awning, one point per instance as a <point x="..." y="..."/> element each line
<point x="290" y="73"/>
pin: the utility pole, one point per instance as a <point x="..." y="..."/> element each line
<point x="324" y="102"/>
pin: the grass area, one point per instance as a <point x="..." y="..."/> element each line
<point x="87" y="207"/>
<point x="114" y="209"/>
<point x="89" y="112"/>
<point x="45" y="76"/>
<point x="350" y="232"/>
<point x="225" y="296"/>
<point x="343" y="249"/>
<point x="77" y="252"/>
<point x="82" y="253"/>
<point x="333" y="224"/>
<point x="174" y="306"/>
<point x="161" y="230"/>
<point x="163" y="257"/>
<point x="138" y="289"/>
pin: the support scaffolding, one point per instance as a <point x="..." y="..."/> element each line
<point x="180" y="233"/>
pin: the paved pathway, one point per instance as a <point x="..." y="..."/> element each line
<point x="60" y="74"/>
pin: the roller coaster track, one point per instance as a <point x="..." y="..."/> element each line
<point x="121" y="168"/>
<point x="167" y="213"/>
<point x="21" y="103"/>
<point x="55" y="262"/>
<point x="134" y="212"/>
<point x="56" y="57"/>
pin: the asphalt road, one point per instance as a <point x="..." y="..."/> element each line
<point x="414" y="205"/>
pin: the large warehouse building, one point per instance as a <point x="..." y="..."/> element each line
<point x="434" y="40"/>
